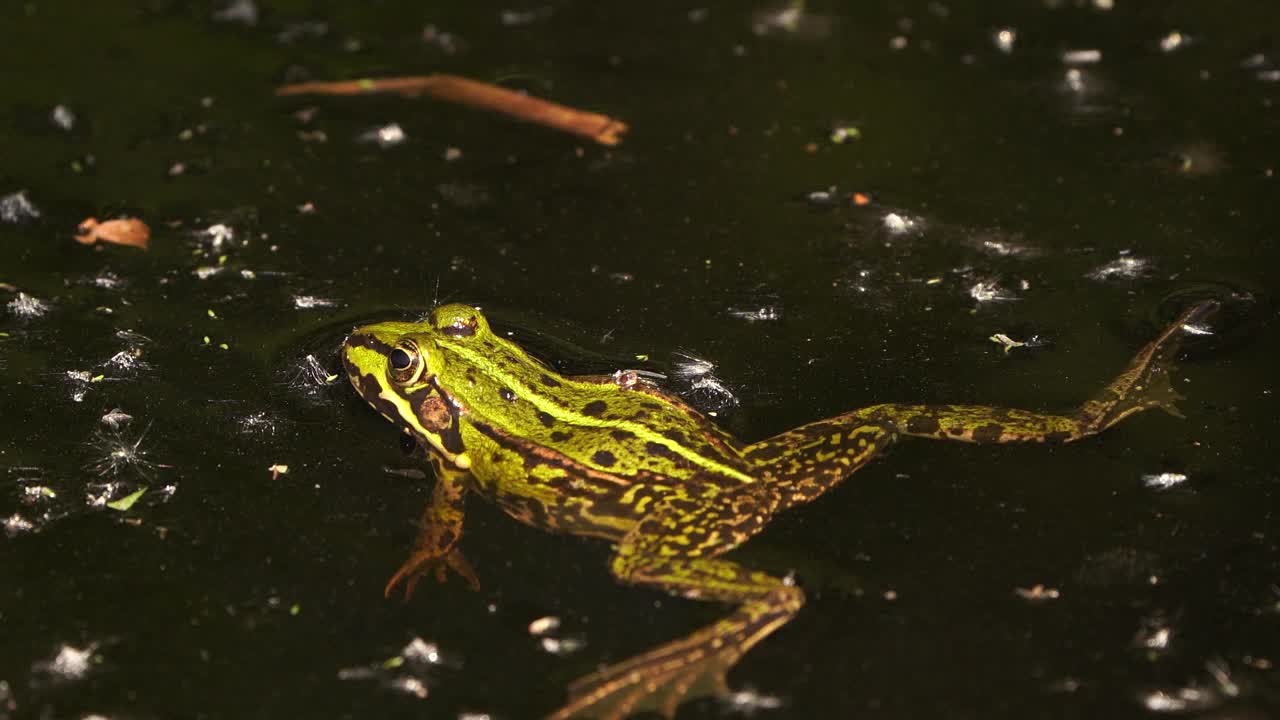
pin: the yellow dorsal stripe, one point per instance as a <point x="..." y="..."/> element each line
<point x="559" y="412"/>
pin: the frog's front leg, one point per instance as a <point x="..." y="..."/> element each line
<point x="803" y="463"/>
<point x="436" y="548"/>
<point x="674" y="549"/>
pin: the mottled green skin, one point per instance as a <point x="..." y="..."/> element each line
<point x="615" y="458"/>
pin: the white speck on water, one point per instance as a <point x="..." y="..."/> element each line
<point x="1087" y="56"/>
<point x="1004" y="39"/>
<point x="386" y="136"/>
<point x="1163" y="481"/>
<point x="1172" y="41"/>
<point x="62" y="117"/>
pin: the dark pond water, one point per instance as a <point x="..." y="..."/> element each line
<point x="1064" y="170"/>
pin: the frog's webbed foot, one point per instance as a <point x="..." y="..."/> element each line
<point x="657" y="681"/>
<point x="1145" y="383"/>
<point x="694" y="666"/>
<point x="426" y="561"/>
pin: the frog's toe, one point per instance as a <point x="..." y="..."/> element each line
<point x="422" y="563"/>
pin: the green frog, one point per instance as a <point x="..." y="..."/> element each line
<point x="616" y="458"/>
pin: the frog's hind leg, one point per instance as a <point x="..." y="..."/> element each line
<point x="803" y="463"/>
<point x="674" y="549"/>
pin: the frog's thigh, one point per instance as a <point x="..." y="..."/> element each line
<point x="689" y="527"/>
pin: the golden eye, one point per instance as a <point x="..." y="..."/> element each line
<point x="405" y="364"/>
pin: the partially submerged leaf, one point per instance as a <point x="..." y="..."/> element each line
<point x="127" y="501"/>
<point x="121" y="231"/>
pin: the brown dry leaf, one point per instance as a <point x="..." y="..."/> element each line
<point x="121" y="231"/>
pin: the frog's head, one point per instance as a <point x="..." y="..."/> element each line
<point x="405" y="371"/>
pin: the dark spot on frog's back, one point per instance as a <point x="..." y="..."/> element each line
<point x="621" y="435"/>
<point x="990" y="432"/>
<point x="506" y="394"/>
<point x="922" y="424"/>
<point x="658" y="450"/>
<point x="674" y="435"/>
<point x="549" y="381"/>
<point x="558" y="436"/>
<point x="604" y="458"/>
<point x="595" y="408"/>
<point x="546" y="419"/>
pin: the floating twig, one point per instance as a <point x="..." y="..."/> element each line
<point x="463" y="91"/>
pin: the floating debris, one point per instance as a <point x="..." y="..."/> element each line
<point x="218" y="236"/>
<point x="1073" y="81"/>
<point x="1163" y="481"/>
<point x="115" y="419"/>
<point x="116" y="454"/>
<point x="16" y="524"/>
<point x="244" y="12"/>
<point x="125" y="503"/>
<point x="1037" y="593"/>
<point x="107" y="280"/>
<point x="312" y="302"/>
<point x="823" y="198"/>
<point x="898" y="224"/>
<point x="1081" y="57"/>
<point x="277" y="470"/>
<point x="442" y="40"/>
<point x="27" y="307"/>
<point x="845" y="133"/>
<point x="388" y="135"/>
<point x="1179" y="700"/>
<point x="81" y="381"/>
<point x="562" y="646"/>
<point x="989" y="291"/>
<point x="764" y="313"/>
<point x="748" y="701"/>
<point x="304" y="29"/>
<point x="62" y="118"/>
<point x="16" y="208"/>
<point x="1006" y="342"/>
<point x="260" y="423"/>
<point x="1172" y="40"/>
<point x="700" y="384"/>
<point x="312" y="372"/>
<point x="421" y="651"/>
<point x="70" y="663"/>
<point x="131" y="232"/>
<point x="1004" y="39"/>
<point x="464" y="91"/>
<point x="1004" y="248"/>
<point x="1155" y="638"/>
<point x="127" y="361"/>
<point x="410" y="686"/>
<point x="1125" y="267"/>
<point x="544" y="625"/>
<point x="512" y="18"/>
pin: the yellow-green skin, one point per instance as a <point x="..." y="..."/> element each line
<point x="614" y="457"/>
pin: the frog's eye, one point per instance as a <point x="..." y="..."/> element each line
<point x="405" y="364"/>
